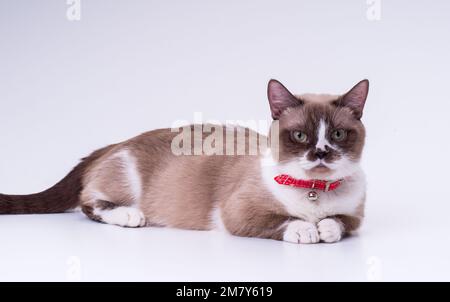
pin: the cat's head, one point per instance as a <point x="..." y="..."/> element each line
<point x="320" y="136"/>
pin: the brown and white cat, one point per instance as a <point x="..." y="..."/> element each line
<point x="141" y="182"/>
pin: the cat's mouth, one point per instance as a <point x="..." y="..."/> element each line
<point x="320" y="168"/>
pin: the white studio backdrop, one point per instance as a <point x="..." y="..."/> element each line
<point x="69" y="86"/>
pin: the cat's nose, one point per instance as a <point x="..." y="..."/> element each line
<point x="319" y="153"/>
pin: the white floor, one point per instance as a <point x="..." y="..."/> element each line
<point x="69" y="247"/>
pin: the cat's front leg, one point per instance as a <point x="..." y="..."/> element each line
<point x="330" y="229"/>
<point x="299" y="231"/>
<point x="261" y="222"/>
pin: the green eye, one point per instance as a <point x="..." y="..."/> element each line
<point x="339" y="135"/>
<point x="299" y="137"/>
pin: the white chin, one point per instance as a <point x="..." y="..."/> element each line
<point x="343" y="168"/>
<point x="330" y="171"/>
<point x="304" y="169"/>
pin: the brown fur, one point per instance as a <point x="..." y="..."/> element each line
<point x="180" y="191"/>
<point x="352" y="223"/>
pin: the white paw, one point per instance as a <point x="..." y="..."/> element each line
<point x="330" y="230"/>
<point x="299" y="231"/>
<point x="123" y="216"/>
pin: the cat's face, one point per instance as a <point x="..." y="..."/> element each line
<point x="320" y="136"/>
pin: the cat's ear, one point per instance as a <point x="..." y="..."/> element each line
<point x="280" y="98"/>
<point x="356" y="98"/>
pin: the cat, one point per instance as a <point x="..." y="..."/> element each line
<point x="307" y="188"/>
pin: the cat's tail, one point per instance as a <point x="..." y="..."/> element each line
<point x="60" y="198"/>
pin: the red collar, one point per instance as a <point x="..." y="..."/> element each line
<point x="317" y="184"/>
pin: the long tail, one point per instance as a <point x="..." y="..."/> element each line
<point x="63" y="196"/>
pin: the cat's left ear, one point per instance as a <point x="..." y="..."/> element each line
<point x="355" y="99"/>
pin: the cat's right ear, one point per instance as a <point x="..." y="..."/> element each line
<point x="280" y="98"/>
<point x="355" y="99"/>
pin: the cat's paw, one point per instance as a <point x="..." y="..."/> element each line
<point x="299" y="231"/>
<point x="124" y="216"/>
<point x="330" y="230"/>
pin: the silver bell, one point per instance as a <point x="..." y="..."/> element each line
<point x="313" y="196"/>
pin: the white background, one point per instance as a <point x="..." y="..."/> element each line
<point x="69" y="87"/>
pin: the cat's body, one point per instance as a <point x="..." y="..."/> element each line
<point x="141" y="182"/>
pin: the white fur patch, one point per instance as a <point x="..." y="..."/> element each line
<point x="131" y="172"/>
<point x="299" y="231"/>
<point x="97" y="195"/>
<point x="122" y="216"/>
<point x="216" y="220"/>
<point x="321" y="136"/>
<point x="330" y="230"/>
<point x="343" y="201"/>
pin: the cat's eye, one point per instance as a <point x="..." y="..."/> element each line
<point x="339" y="135"/>
<point x="299" y="137"/>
